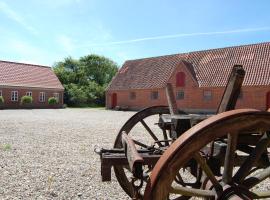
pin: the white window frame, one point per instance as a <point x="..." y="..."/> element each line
<point x="29" y="93"/>
<point x="56" y="95"/>
<point x="42" y="97"/>
<point x="14" y="95"/>
<point x="1" y="93"/>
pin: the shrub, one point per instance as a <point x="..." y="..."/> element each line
<point x="2" y="101"/>
<point x="26" y="100"/>
<point x="52" y="101"/>
<point x="75" y="95"/>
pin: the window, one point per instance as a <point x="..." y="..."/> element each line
<point x="42" y="96"/>
<point x="154" y="95"/>
<point x="56" y="95"/>
<point x="207" y="95"/>
<point x="1" y="94"/>
<point x="14" y="95"/>
<point x="132" y="95"/>
<point x="180" y="95"/>
<point x="180" y="79"/>
<point x="29" y="94"/>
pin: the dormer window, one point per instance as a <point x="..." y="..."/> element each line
<point x="180" y="79"/>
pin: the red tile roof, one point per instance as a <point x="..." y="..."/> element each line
<point x="210" y="68"/>
<point x="28" y="75"/>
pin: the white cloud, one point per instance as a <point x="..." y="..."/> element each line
<point x="65" y="42"/>
<point x="11" y="14"/>
<point x="180" y="35"/>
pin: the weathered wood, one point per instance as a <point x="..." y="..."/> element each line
<point x="253" y="158"/>
<point x="119" y="159"/>
<point x="207" y="171"/>
<point x="135" y="161"/>
<point x="232" y="90"/>
<point x="190" y="144"/>
<point x="150" y="132"/>
<point x="256" y="179"/>
<point x="192" y="192"/>
<point x="122" y="175"/>
<point x="171" y="99"/>
<point x="229" y="158"/>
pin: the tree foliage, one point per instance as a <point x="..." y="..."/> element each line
<point x="85" y="79"/>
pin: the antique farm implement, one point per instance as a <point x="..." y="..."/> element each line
<point x="162" y="153"/>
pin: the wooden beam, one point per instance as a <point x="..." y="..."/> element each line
<point x="232" y="89"/>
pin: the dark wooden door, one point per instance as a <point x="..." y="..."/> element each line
<point x="268" y="100"/>
<point x="114" y="100"/>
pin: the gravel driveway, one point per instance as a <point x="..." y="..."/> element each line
<point x="48" y="154"/>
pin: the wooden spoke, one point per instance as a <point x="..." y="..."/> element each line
<point x="207" y="171"/>
<point x="253" y="158"/>
<point x="122" y="175"/>
<point x="229" y="158"/>
<point x="182" y="198"/>
<point x="150" y="132"/>
<point x="257" y="178"/>
<point x="179" y="180"/>
<point x="191" y="192"/>
<point x="140" y="144"/>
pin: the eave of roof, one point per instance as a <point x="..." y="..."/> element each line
<point x="35" y="87"/>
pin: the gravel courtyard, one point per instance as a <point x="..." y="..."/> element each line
<point x="48" y="154"/>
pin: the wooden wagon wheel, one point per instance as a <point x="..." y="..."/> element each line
<point x="140" y="118"/>
<point x="235" y="183"/>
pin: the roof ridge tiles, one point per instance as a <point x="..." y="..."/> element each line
<point x="198" y="51"/>
<point x="21" y="63"/>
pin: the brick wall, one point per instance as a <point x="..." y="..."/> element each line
<point x="253" y="96"/>
<point x="6" y="93"/>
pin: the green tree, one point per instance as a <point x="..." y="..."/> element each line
<point x="75" y="95"/>
<point x="68" y="71"/>
<point x="98" y="68"/>
<point x="85" y="79"/>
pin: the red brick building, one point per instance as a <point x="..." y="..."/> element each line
<point x="199" y="79"/>
<point x="20" y="79"/>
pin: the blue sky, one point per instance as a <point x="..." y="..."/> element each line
<point x="46" y="31"/>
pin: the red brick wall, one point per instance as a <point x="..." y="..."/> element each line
<point x="6" y="93"/>
<point x="253" y="97"/>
